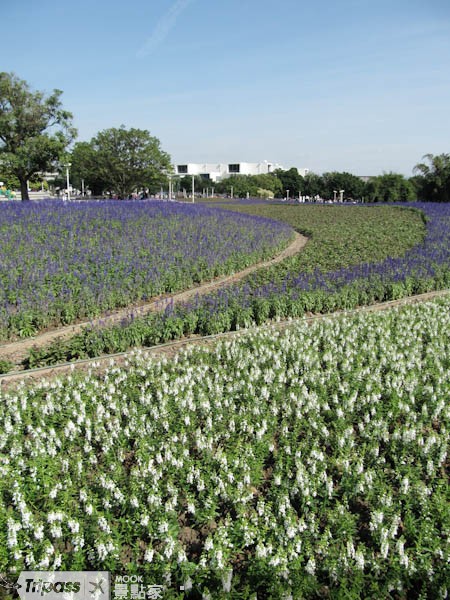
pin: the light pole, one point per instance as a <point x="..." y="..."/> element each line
<point x="68" y="165"/>
<point x="287" y="195"/>
<point x="193" y="187"/>
<point x="231" y="191"/>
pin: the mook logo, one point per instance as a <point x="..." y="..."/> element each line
<point x="64" y="585"/>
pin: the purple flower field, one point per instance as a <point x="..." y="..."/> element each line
<point x="63" y="261"/>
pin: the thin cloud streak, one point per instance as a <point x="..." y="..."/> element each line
<point x="163" y="27"/>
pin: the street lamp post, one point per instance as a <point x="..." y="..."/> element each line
<point x="231" y="191"/>
<point x="193" y="187"/>
<point x="287" y="195"/>
<point x="68" y="165"/>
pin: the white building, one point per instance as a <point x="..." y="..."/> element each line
<point x="218" y="171"/>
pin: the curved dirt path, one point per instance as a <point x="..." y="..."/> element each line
<point x="170" y="349"/>
<point x="17" y="351"/>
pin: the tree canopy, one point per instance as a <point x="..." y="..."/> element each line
<point x="121" y="161"/>
<point x="291" y="181"/>
<point x="352" y="185"/>
<point x="433" y="179"/>
<point x="34" y="130"/>
<point x="390" y="187"/>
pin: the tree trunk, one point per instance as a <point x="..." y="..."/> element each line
<point x="24" y="189"/>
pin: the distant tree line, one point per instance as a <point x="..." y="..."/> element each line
<point x="431" y="182"/>
<point x="36" y="133"/>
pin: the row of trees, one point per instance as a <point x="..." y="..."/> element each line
<point x="36" y="132"/>
<point x="389" y="187"/>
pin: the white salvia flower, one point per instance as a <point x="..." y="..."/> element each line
<point x="78" y="542"/>
<point x="350" y="549"/>
<point x="188" y="584"/>
<point x="359" y="559"/>
<point x="44" y="564"/>
<point x="103" y="524"/>
<point x="74" y="526"/>
<point x="311" y="566"/>
<point x="163" y="527"/>
<point x="384" y="549"/>
<point x="149" y="553"/>
<point x="13" y="528"/>
<point x="57" y="562"/>
<point x="56" y="530"/>
<point x="170" y="546"/>
<point x="209" y="545"/>
<point x="261" y="551"/>
<point x="404" y="486"/>
<point x="102" y="551"/>
<point x="377" y="520"/>
<point x="290" y="532"/>
<point x="226" y="580"/>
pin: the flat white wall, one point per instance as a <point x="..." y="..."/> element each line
<point x="218" y="171"/>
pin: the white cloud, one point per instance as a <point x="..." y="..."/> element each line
<point x="163" y="27"/>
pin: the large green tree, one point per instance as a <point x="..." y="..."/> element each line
<point x="34" y="130"/>
<point x="84" y="170"/>
<point x="238" y="186"/>
<point x="125" y="160"/>
<point x="352" y="185"/>
<point x="290" y="180"/>
<point x="312" y="185"/>
<point x="389" y="187"/>
<point x="433" y="179"/>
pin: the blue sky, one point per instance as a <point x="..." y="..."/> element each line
<point x="348" y="85"/>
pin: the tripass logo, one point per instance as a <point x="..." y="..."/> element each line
<point x="64" y="585"/>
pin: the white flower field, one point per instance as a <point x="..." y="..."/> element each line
<point x="306" y="463"/>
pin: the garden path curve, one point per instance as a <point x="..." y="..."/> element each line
<point x="17" y="351"/>
<point x="170" y="349"/>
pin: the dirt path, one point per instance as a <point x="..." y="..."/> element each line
<point x="100" y="364"/>
<point x="17" y="351"/>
